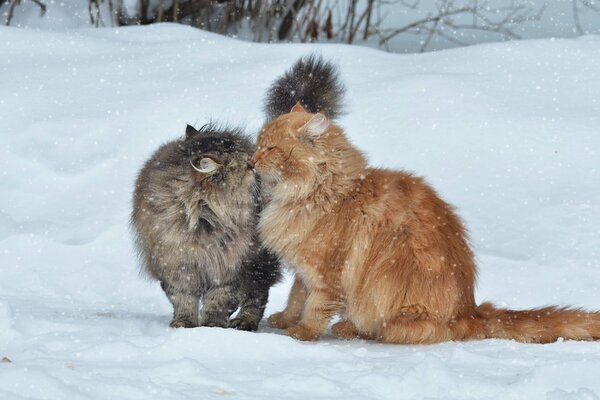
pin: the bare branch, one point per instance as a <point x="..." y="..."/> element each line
<point x="368" y="23"/>
<point x="428" y="19"/>
<point x="499" y="20"/>
<point x="12" y="5"/>
<point x="576" y="6"/>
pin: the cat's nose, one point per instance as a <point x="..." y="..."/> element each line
<point x="250" y="164"/>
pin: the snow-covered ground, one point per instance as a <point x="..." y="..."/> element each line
<point x="509" y="133"/>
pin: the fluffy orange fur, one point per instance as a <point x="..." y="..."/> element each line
<point x="378" y="247"/>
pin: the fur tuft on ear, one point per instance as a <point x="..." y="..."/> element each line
<point x="298" y="108"/>
<point x="316" y="126"/>
<point x="190" y="131"/>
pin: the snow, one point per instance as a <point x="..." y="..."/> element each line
<point x="509" y="133"/>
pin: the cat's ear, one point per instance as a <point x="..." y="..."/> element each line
<point x="297" y="108"/>
<point x="190" y="131"/>
<point x="316" y="126"/>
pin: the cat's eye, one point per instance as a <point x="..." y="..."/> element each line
<point x="206" y="165"/>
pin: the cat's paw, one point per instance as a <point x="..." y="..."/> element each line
<point x="280" y="321"/>
<point x="243" y="325"/>
<point x="300" y="332"/>
<point x="215" y="323"/>
<point x="345" y="330"/>
<point x="214" y="319"/>
<point x="182" y="323"/>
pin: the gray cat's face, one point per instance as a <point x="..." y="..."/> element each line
<point x="218" y="162"/>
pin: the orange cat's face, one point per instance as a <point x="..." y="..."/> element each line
<point x="289" y="149"/>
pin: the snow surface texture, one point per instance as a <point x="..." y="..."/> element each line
<point x="509" y="133"/>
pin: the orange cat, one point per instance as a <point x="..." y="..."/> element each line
<point x="378" y="247"/>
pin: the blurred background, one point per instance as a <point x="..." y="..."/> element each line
<point x="402" y="26"/>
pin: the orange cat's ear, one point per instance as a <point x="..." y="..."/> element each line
<point x="298" y="108"/>
<point x="316" y="126"/>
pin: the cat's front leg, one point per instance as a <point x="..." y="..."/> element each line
<point x="321" y="305"/>
<point x="185" y="306"/>
<point x="218" y="304"/>
<point x="293" y="311"/>
<point x="256" y="278"/>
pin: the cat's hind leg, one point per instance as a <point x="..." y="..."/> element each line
<point x="346" y="330"/>
<point x="428" y="331"/>
<point x="416" y="332"/>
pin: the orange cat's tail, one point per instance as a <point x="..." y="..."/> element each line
<point x="542" y="325"/>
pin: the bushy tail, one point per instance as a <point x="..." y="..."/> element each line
<point x="542" y="325"/>
<point x="311" y="81"/>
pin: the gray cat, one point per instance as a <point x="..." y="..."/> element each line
<point x="194" y="217"/>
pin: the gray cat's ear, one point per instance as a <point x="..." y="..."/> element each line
<point x="190" y="131"/>
<point x="316" y="126"/>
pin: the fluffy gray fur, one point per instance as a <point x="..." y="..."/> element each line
<point x="311" y="81"/>
<point x="196" y="231"/>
